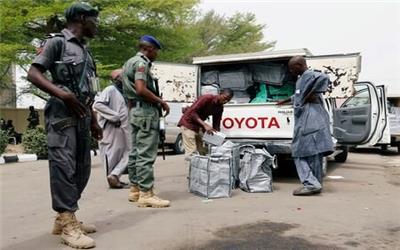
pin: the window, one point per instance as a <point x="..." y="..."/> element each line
<point x="360" y="98"/>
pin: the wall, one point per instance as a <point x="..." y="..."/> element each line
<point x="24" y="100"/>
<point x="19" y="116"/>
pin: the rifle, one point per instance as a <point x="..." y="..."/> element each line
<point x="162" y="135"/>
<point x="162" y="124"/>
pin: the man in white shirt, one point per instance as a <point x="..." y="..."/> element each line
<point x="112" y="112"/>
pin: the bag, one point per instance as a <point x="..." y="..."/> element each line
<point x="255" y="170"/>
<point x="237" y="154"/>
<point x="210" y="177"/>
<point x="231" y="150"/>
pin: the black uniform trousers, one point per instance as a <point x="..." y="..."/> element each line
<point x="69" y="154"/>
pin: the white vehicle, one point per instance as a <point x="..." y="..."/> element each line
<point x="394" y="126"/>
<point x="266" y="124"/>
<point x="177" y="83"/>
<point x="389" y="124"/>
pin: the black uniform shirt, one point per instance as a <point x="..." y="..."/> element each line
<point x="73" y="51"/>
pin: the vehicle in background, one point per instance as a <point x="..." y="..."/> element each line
<point x="389" y="121"/>
<point x="259" y="80"/>
<point x="394" y="125"/>
<point x="178" y="86"/>
<point x="391" y="135"/>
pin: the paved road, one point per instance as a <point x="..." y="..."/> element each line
<point x="360" y="211"/>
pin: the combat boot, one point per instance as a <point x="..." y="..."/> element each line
<point x="149" y="199"/>
<point x="86" y="228"/>
<point x="134" y="193"/>
<point x="72" y="234"/>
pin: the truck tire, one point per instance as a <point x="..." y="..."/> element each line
<point x="342" y="157"/>
<point x="352" y="148"/>
<point x="384" y="147"/>
<point x="178" y="145"/>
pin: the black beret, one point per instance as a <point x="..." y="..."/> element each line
<point x="79" y="9"/>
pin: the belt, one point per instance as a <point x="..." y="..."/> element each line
<point x="64" y="123"/>
<point x="140" y="104"/>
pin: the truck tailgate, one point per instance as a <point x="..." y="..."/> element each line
<point x="258" y="121"/>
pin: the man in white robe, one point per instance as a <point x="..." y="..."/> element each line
<point x="112" y="115"/>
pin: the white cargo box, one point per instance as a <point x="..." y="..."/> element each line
<point x="215" y="139"/>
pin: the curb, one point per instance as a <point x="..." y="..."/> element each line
<point x="13" y="158"/>
<point x="10" y="158"/>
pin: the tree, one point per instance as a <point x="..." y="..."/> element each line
<point x="122" y="22"/>
<point x="237" y="34"/>
<point x="21" y="22"/>
<point x="184" y="31"/>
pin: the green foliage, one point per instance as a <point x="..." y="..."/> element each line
<point x="183" y="31"/>
<point x="237" y="34"/>
<point x="35" y="142"/>
<point x="3" y="140"/>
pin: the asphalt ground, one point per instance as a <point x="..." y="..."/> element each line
<point x="358" y="209"/>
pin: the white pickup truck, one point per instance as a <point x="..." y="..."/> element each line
<point x="394" y="126"/>
<point x="264" y="76"/>
<point x="178" y="85"/>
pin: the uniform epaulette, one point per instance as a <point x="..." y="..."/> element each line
<point x="144" y="58"/>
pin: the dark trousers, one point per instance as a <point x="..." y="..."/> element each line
<point x="69" y="156"/>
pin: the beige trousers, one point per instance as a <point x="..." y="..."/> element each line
<point x="193" y="142"/>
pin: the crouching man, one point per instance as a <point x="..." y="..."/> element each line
<point x="192" y="123"/>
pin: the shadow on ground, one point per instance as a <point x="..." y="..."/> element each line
<point x="261" y="235"/>
<point x="389" y="152"/>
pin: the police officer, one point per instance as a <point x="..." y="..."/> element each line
<point x="145" y="106"/>
<point x="33" y="118"/>
<point x="69" y="118"/>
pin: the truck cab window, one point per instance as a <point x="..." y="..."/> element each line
<point x="361" y="97"/>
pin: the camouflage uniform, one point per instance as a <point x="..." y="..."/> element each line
<point x="144" y="120"/>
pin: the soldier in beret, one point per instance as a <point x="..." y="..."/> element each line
<point x="145" y="103"/>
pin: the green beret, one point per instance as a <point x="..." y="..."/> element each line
<point x="79" y="9"/>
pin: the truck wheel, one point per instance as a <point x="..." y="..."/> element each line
<point x="398" y="149"/>
<point x="178" y="145"/>
<point x="342" y="157"/>
<point x="324" y="166"/>
<point x="384" y="147"/>
<point x="352" y="149"/>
